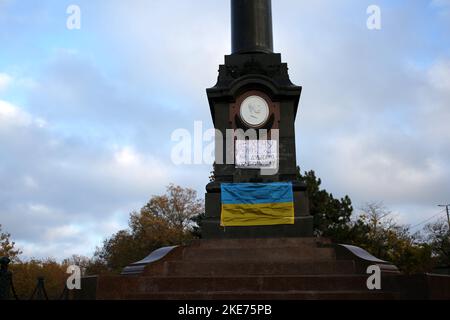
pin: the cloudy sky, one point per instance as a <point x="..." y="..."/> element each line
<point x="86" y="116"/>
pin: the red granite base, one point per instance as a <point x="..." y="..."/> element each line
<point x="263" y="269"/>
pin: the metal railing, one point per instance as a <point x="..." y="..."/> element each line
<point x="7" y="286"/>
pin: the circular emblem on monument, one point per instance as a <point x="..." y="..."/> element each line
<point x="254" y="111"/>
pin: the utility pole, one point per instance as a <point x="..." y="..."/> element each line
<point x="446" y="206"/>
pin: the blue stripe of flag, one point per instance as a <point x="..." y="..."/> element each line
<point x="257" y="193"/>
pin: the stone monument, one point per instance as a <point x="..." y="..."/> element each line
<point x="253" y="73"/>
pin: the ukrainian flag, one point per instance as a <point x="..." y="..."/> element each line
<point x="257" y="204"/>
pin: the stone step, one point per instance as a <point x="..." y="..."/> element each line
<point x="267" y="295"/>
<point x="253" y="283"/>
<point x="182" y="268"/>
<point x="285" y="254"/>
<point x="261" y="243"/>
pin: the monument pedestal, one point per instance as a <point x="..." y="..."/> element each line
<point x="264" y="269"/>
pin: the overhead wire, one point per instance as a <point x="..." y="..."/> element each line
<point x="428" y="219"/>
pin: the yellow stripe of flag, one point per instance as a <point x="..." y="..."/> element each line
<point x="265" y="214"/>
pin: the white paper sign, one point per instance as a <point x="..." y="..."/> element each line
<point x="256" y="154"/>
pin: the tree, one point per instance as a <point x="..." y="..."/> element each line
<point x="331" y="215"/>
<point x="438" y="237"/>
<point x="97" y="266"/>
<point x="118" y="251"/>
<point x="164" y="221"/>
<point x="80" y="261"/>
<point x="178" y="206"/>
<point x="376" y="231"/>
<point x="380" y="227"/>
<point x="7" y="247"/>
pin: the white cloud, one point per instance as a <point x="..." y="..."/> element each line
<point x="5" y="81"/>
<point x="30" y="182"/>
<point x="126" y="156"/>
<point x="61" y="232"/>
<point x="369" y="170"/>
<point x="52" y="182"/>
<point x="440" y="3"/>
<point x="439" y="76"/>
<point x="12" y="115"/>
<point x="174" y="45"/>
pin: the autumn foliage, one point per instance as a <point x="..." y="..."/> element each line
<point x="164" y="221"/>
<point x="26" y="274"/>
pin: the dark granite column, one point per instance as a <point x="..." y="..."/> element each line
<point x="251" y="26"/>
